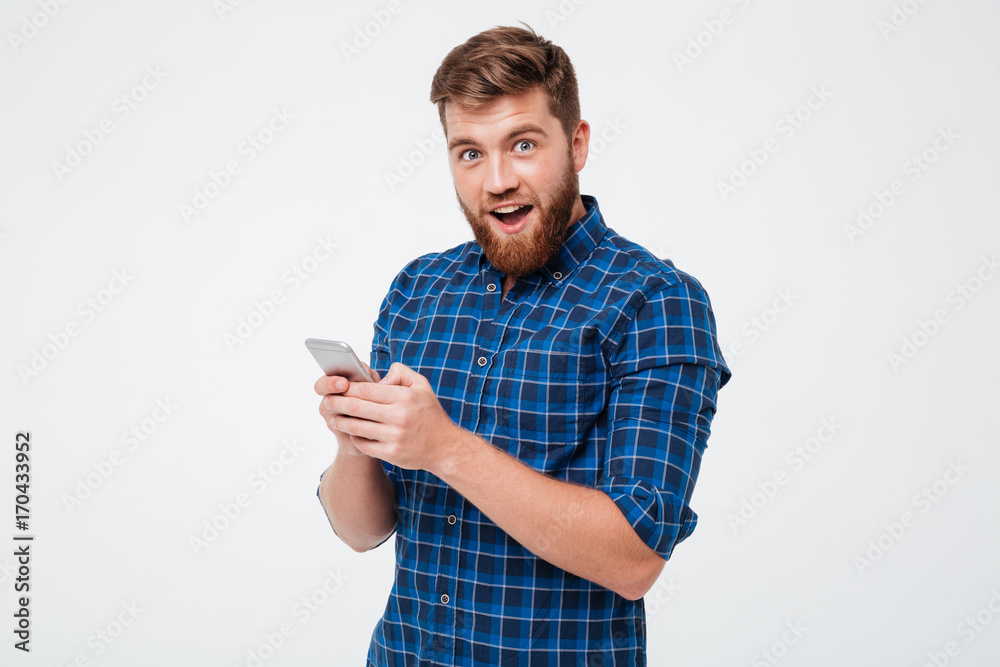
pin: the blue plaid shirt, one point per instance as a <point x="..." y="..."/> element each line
<point x="600" y="369"/>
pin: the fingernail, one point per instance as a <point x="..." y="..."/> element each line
<point x="341" y="386"/>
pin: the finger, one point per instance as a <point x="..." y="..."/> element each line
<point x="356" y="407"/>
<point x="367" y="447"/>
<point x="360" y="428"/>
<point x="392" y="377"/>
<point x="355" y="441"/>
<point x="404" y="376"/>
<point x="326" y="407"/>
<point x="400" y="374"/>
<point x="331" y="384"/>
<point x="383" y="393"/>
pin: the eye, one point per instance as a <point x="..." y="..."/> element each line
<point x="470" y="155"/>
<point x="524" y="146"/>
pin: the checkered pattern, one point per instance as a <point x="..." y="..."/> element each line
<point x="600" y="369"/>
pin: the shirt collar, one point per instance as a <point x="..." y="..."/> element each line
<point x="584" y="235"/>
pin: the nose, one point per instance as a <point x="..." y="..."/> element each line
<point x="501" y="176"/>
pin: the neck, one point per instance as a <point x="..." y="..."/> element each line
<point x="579" y="210"/>
<point x="506" y="284"/>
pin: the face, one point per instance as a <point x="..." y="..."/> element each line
<point x="515" y="175"/>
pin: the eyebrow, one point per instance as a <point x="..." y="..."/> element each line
<point x="519" y="130"/>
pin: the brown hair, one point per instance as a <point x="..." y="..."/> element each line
<point x="505" y="61"/>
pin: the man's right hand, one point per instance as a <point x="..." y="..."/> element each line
<point x="329" y="385"/>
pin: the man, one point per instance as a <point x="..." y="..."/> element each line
<point x="542" y="398"/>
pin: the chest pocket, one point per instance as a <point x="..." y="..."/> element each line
<point x="551" y="395"/>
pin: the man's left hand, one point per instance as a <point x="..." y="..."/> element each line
<point x="400" y="416"/>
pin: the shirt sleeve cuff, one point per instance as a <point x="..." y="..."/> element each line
<point x="660" y="519"/>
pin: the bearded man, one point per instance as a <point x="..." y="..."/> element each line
<point x="542" y="401"/>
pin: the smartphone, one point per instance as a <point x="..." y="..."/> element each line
<point x="337" y="358"/>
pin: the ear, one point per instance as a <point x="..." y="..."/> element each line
<point x="581" y="145"/>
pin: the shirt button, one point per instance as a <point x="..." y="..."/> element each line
<point x="491" y="287"/>
<point x="452" y="519"/>
<point x="445" y="599"/>
<point x="481" y="361"/>
<point x="557" y="275"/>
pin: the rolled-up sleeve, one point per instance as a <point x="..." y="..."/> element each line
<point x="667" y="368"/>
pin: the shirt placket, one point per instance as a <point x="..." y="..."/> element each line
<point x="493" y="321"/>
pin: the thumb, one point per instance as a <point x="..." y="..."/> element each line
<point x="401" y="375"/>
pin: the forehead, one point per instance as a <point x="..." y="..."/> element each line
<point x="498" y="116"/>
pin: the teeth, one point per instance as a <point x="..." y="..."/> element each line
<point x="507" y="209"/>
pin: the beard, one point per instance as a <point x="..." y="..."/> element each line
<point x="529" y="250"/>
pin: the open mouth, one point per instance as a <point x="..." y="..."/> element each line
<point x="511" y="215"/>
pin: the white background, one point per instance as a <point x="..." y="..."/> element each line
<point x="810" y="305"/>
